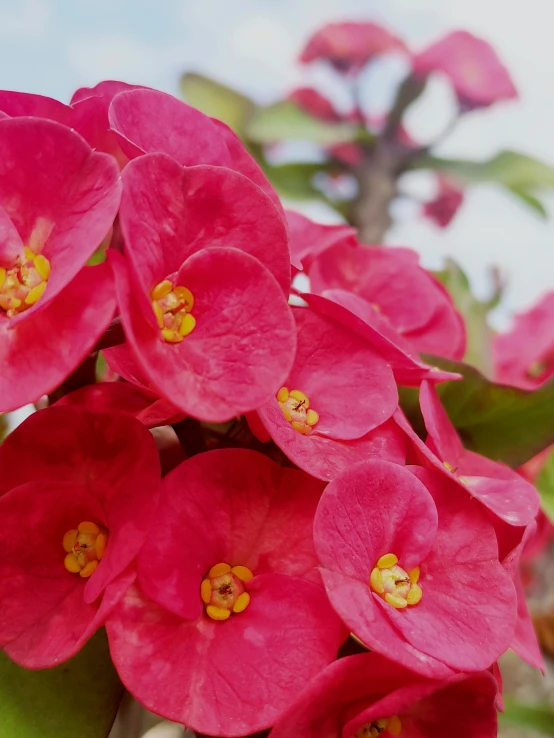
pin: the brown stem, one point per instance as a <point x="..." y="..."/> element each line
<point x="377" y="188"/>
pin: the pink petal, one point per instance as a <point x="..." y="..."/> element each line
<point x="17" y="104"/>
<point x="443" y="440"/>
<point x="225" y="678"/>
<point x="242" y="348"/>
<point x="169" y="212"/>
<point x="309" y="239"/>
<point x="39" y="353"/>
<point x="234" y="506"/>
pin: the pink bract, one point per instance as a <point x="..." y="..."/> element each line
<point x="442" y="209"/>
<point x="235" y="676"/>
<point x="392" y="282"/>
<point x="314" y="103"/>
<point x="355" y="691"/>
<point x="61" y="210"/>
<point x="499" y="488"/>
<point x="353" y="397"/>
<point x="308" y="239"/>
<point x="467" y="614"/>
<point x="350" y="46"/>
<point x="524" y="355"/>
<point x="214" y="232"/>
<point x="86" y="467"/>
<point x="477" y="75"/>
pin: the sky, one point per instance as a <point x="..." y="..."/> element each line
<point x="52" y="47"/>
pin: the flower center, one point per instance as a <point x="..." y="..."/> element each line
<point x="391" y="725"/>
<point x="295" y="406"/>
<point x="23" y="284"/>
<point x="85" y="546"/>
<point x="172" y="307"/>
<point x="223" y="591"/>
<point x="394" y="584"/>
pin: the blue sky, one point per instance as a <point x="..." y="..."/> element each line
<point x="54" y="46"/>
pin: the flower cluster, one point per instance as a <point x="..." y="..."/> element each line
<point x="306" y="562"/>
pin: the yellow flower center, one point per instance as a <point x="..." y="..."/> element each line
<point x="394" y="584"/>
<point x="223" y="591"/>
<point x="23" y="284"/>
<point x="84" y="546"/>
<point x="388" y="726"/>
<point x="172" y="306"/>
<point x="295" y="406"/>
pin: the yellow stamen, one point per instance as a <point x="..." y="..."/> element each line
<point x="396" y="601"/>
<point x="206" y="591"/>
<point x="243" y="573"/>
<point x="2" y="277"/>
<point x="69" y="540"/>
<point x="242" y="602"/>
<point x="71" y="564"/>
<point x="29" y="254"/>
<point x="188" y="324"/>
<point x="283" y="395"/>
<point x="286" y="413"/>
<point x="185" y="296"/>
<point x="88" y="528"/>
<point x="158" y="312"/>
<point x="42" y="265"/>
<point x="217" y="613"/>
<point x="100" y="545"/>
<point x="218" y="570"/>
<point x="312" y="417"/>
<point x="376" y="581"/>
<point x="386" y="561"/>
<point x="414" y="575"/>
<point x="414" y="595"/>
<point x="161" y="289"/>
<point x="35" y="294"/>
<point x="394" y="725"/>
<point x="88" y="569"/>
<point x="171" y="336"/>
<point x="300" y="397"/>
<point x="299" y="427"/>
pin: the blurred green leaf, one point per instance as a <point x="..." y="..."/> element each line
<point x="295" y="181"/>
<point x="545" y="485"/>
<point x="479" y="334"/>
<point x="3" y="427"/>
<point x="217" y="100"/>
<point x="504" y="423"/>
<point x="78" y="699"/>
<point x="533" y="717"/>
<point x="285" y="121"/>
<point x="522" y="175"/>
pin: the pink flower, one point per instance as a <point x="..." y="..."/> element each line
<point x="500" y="489"/>
<point x="390" y="279"/>
<point x="446" y="204"/>
<point x="411" y="565"/>
<point x="202" y="288"/>
<point x="78" y="491"/>
<point x="333" y="408"/>
<point x="350" y="46"/>
<point x="477" y="75"/>
<point x="308" y="239"/>
<point x="228" y="619"/>
<point x="524" y="356"/>
<point x="366" y="695"/>
<point x="58" y="200"/>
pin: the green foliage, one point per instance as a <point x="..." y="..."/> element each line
<point x="520" y="174"/>
<point x="285" y="121"/>
<point x="532" y="717"/>
<point x="504" y="423"/>
<point x="474" y="311"/>
<point x="295" y="181"/>
<point x="545" y="485"/>
<point x="218" y="100"/>
<point x="78" y="698"/>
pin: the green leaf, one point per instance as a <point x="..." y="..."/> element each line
<point x="3" y="427"/>
<point x="295" y="181"/>
<point x="286" y="121"/>
<point x="79" y="698"/>
<point x="217" y="100"/>
<point x="479" y="333"/>
<point x="520" y="174"/>
<point x="545" y="485"/>
<point x="504" y="423"/>
<point x="533" y="717"/>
